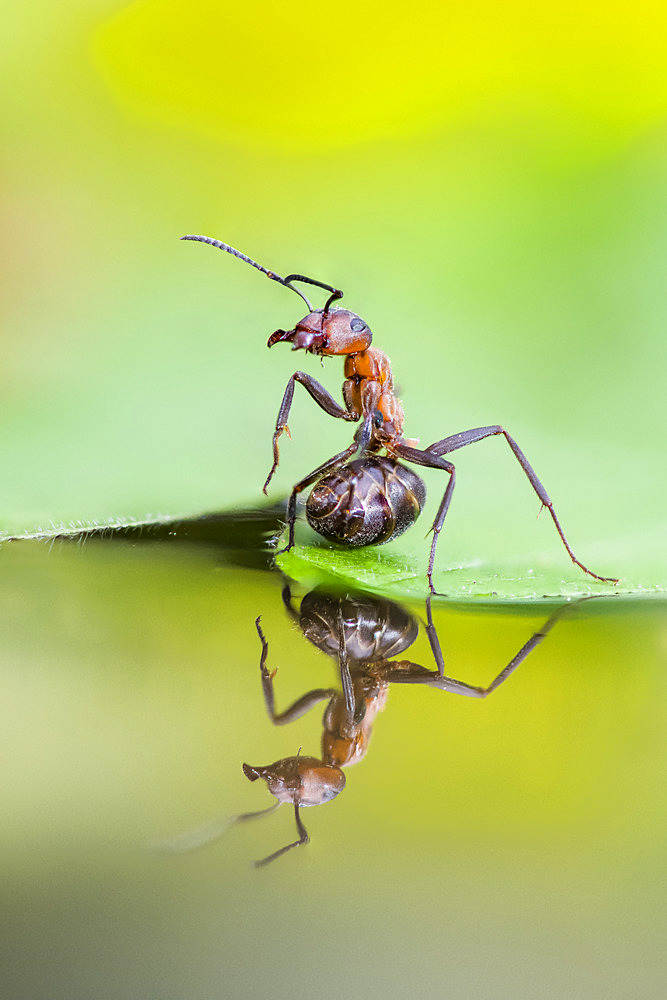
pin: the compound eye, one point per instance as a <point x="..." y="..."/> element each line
<point x="357" y="324"/>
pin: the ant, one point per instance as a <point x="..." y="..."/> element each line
<point x="373" y="498"/>
<point x="368" y="637"/>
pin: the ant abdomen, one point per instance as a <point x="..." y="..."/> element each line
<point x="366" y="502"/>
<point x="374" y="628"/>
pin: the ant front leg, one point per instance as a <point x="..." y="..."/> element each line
<point x="332" y="463"/>
<point x="431" y="460"/>
<point x="323" y="399"/>
<point x="303" y="839"/>
<point x="465" y="438"/>
<point x="301" y="705"/>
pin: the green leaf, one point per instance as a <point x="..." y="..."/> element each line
<point x="529" y="578"/>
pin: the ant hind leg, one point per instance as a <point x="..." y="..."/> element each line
<point x="431" y="460"/>
<point x="456" y="441"/>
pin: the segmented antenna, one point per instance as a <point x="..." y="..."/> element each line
<point x="237" y="253"/>
<point x="287" y="282"/>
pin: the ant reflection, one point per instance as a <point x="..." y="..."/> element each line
<point x="367" y="635"/>
<point x="363" y="633"/>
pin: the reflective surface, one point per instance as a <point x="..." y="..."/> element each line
<point x="509" y="846"/>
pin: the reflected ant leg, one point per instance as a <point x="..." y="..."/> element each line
<point x="407" y="672"/>
<point x="430" y="460"/>
<point x="456" y="441"/>
<point x="286" y="595"/>
<point x="323" y="399"/>
<point x="459" y="687"/>
<point x="303" y="839"/>
<point x="353" y="714"/>
<point x="207" y="833"/>
<point x="328" y="466"/>
<point x="433" y="639"/>
<point x="301" y="705"/>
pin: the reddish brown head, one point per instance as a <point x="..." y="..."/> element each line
<point x="327" y="332"/>
<point x="305" y="781"/>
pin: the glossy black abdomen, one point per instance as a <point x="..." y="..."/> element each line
<point x="366" y="502"/>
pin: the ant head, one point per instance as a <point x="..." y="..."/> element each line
<point x="323" y="331"/>
<point x="328" y="332"/>
<point x="305" y="781"/>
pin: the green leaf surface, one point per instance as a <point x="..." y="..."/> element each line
<point x="399" y="569"/>
<point x="530" y="578"/>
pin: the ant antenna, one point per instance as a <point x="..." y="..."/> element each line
<point x="287" y="282"/>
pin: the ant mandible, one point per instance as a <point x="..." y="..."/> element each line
<point x="374" y="498"/>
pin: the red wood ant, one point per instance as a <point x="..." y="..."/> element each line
<point x="372" y="499"/>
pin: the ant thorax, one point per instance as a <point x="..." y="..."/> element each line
<point x="391" y="410"/>
<point x="372" y="365"/>
<point x="369" y="389"/>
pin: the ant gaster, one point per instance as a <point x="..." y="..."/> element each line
<point x="374" y="498"/>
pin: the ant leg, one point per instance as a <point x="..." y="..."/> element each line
<point x="301" y="705"/>
<point x="286" y="595"/>
<point x="433" y="639"/>
<point x="207" y="833"/>
<point x="459" y="687"/>
<point x="431" y="460"/>
<point x="354" y="714"/>
<point x="332" y="463"/>
<point x="412" y="673"/>
<point x="406" y="672"/>
<point x="323" y="399"/>
<point x="303" y="839"/>
<point x="465" y="438"/>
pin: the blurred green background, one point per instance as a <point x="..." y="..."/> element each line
<point x="486" y="184"/>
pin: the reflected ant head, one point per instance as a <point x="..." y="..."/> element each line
<point x="327" y="332"/>
<point x="303" y="781"/>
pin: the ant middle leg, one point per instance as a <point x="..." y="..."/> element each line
<point x="323" y="399"/>
<point x="456" y="441"/>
